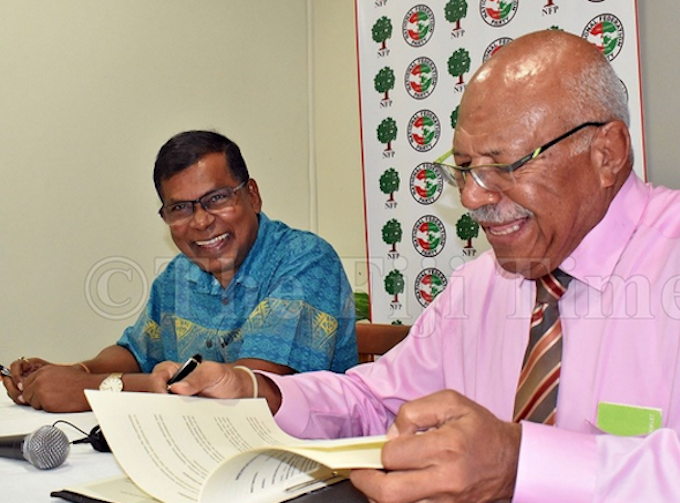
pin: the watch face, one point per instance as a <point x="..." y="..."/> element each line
<point x="112" y="383"/>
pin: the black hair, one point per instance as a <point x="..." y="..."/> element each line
<point x="187" y="148"/>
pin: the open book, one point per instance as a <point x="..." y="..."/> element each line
<point x="178" y="449"/>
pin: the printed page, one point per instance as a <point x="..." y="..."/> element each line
<point x="257" y="476"/>
<point x="269" y="476"/>
<point x="168" y="444"/>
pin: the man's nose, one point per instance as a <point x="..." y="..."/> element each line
<point x="474" y="196"/>
<point x="201" y="217"/>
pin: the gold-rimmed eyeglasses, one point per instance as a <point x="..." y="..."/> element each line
<point x="497" y="177"/>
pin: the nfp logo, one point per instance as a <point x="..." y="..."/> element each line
<point x="420" y="78"/>
<point x="606" y="33"/>
<point x="429" y="283"/>
<point x="424" y="131"/>
<point x="494" y="47"/>
<point x="418" y="26"/>
<point x="427" y="183"/>
<point x="428" y="236"/>
<point x="498" y="13"/>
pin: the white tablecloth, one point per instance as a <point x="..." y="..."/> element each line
<point x="20" y="482"/>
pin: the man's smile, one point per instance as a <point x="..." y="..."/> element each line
<point x="215" y="242"/>
<point x="505" y="229"/>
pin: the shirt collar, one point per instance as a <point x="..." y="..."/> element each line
<point x="600" y="251"/>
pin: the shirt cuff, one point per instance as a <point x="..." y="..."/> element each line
<point x="555" y="465"/>
<point x="292" y="400"/>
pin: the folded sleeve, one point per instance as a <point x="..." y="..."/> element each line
<point x="562" y="466"/>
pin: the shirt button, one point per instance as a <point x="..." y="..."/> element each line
<point x="225" y="301"/>
<point x="208" y="343"/>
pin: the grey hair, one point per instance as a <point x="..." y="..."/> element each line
<point x="598" y="93"/>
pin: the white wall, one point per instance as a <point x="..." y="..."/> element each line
<point x="661" y="100"/>
<point x="337" y="139"/>
<point x="90" y="90"/>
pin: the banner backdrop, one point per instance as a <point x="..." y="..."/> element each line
<point x="414" y="61"/>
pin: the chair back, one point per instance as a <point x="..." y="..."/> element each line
<point x="375" y="339"/>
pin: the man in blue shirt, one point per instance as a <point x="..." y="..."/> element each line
<point x="245" y="289"/>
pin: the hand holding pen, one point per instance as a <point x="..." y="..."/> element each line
<point x="185" y="369"/>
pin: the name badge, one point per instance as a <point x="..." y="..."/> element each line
<point x="627" y="420"/>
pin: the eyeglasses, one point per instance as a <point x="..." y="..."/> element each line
<point x="497" y="177"/>
<point x="213" y="202"/>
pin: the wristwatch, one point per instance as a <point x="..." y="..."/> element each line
<point x="113" y="382"/>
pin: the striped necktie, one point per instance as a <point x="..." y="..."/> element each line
<point x="536" y="398"/>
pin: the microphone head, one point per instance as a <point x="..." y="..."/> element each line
<point x="45" y="448"/>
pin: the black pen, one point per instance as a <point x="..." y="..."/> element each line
<point x="185" y="369"/>
<point x="5" y="371"/>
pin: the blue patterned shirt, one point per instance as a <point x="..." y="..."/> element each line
<point x="289" y="303"/>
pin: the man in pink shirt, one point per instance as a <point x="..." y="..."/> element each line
<point x="574" y="203"/>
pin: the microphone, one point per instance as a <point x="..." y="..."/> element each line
<point x="45" y="448"/>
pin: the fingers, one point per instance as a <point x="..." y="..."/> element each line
<point x="25" y="366"/>
<point x="212" y="380"/>
<point x="12" y="391"/>
<point x="446" y="447"/>
<point x="56" y="388"/>
<point x="430" y="412"/>
<point x="165" y="370"/>
<point x="209" y="379"/>
<point x="396" y="487"/>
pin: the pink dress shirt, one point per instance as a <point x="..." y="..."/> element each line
<point x="621" y="326"/>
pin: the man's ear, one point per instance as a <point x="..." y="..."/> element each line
<point x="254" y="195"/>
<point x="610" y="152"/>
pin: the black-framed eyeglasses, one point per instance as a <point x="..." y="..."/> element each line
<point x="497" y="177"/>
<point x="213" y="202"/>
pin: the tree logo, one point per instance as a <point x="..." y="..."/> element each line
<point x="418" y="26"/>
<point x="394" y="285"/>
<point x="427" y="183"/>
<point x="391" y="235"/>
<point x="454" y="11"/>
<point x="429" y="283"/>
<point x="383" y="82"/>
<point x="494" y="46"/>
<point x="382" y="31"/>
<point x="467" y="229"/>
<point x="387" y="132"/>
<point x="424" y="131"/>
<point x="428" y="236"/>
<point x="550" y="8"/>
<point x="498" y="13"/>
<point x="454" y="117"/>
<point x="459" y="64"/>
<point x="420" y="78"/>
<point x="389" y="184"/>
<point x="606" y="33"/>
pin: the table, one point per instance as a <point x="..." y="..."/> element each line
<point x="22" y="482"/>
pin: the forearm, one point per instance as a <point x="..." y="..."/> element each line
<point x="119" y="359"/>
<point x="341" y="405"/>
<point x="270" y="391"/>
<point x="112" y="359"/>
